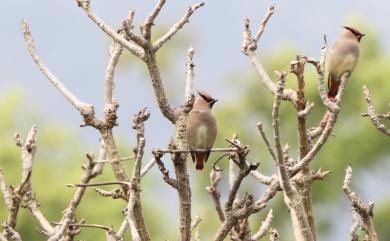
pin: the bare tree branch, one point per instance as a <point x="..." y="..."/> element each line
<point x="263" y="227"/>
<point x="372" y="114"/>
<point x="188" y="96"/>
<point x="319" y="175"/>
<point x="127" y="26"/>
<point x="114" y="54"/>
<point x="215" y="178"/>
<point x="176" y="27"/>
<point x="10" y="233"/>
<point x="13" y="196"/>
<point x="303" y="107"/>
<point x="85" y="109"/>
<point x="195" y="222"/>
<point x="133" y="48"/>
<point x="99" y="164"/>
<point x="355" y="225"/>
<point x="326" y="132"/>
<point x="262" y="178"/>
<point x="124" y="226"/>
<point x="365" y="213"/>
<point x="69" y="212"/>
<point x="96" y="184"/>
<point x="249" y="47"/>
<point x="177" y="151"/>
<point x="2" y="238"/>
<point x="115" y="193"/>
<point x="146" y="28"/>
<point x="172" y="182"/>
<point x="33" y="205"/>
<point x="264" y="22"/>
<point x="134" y="213"/>
<point x="248" y="207"/>
<point x="266" y="141"/>
<point x="274" y="235"/>
<point x="85" y="225"/>
<point x="301" y="226"/>
<point x="147" y="167"/>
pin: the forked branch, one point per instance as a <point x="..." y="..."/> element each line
<point x="374" y="117"/>
<point x="365" y="213"/>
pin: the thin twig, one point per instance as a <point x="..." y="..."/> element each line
<point x="248" y="209"/>
<point x="85" y="225"/>
<point x="265" y="139"/>
<point x="127" y="27"/>
<point x="195" y="222"/>
<point x="176" y="27"/>
<point x="147" y="26"/>
<point x="34" y="207"/>
<point x="98" y="168"/>
<point x="97" y="184"/>
<point x="172" y="182"/>
<point x="264" y="22"/>
<point x="189" y="76"/>
<point x="85" y="109"/>
<point x="263" y="227"/>
<point x="109" y="85"/>
<point x="126" y="158"/>
<point x="285" y="181"/>
<point x="262" y="178"/>
<point x="319" y="175"/>
<point x="115" y="193"/>
<point x="147" y="167"/>
<point x="124" y="226"/>
<point x="249" y="47"/>
<point x="174" y="151"/>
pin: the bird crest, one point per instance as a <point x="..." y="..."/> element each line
<point x="205" y="96"/>
<point x="355" y="32"/>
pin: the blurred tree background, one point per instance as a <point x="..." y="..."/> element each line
<point x="61" y="151"/>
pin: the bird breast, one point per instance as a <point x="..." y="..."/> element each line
<point x="344" y="57"/>
<point x="348" y="63"/>
<point x="201" y="137"/>
<point x="201" y="129"/>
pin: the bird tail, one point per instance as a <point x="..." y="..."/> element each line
<point x="333" y="86"/>
<point x="199" y="159"/>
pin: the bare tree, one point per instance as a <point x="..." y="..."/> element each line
<point x="293" y="179"/>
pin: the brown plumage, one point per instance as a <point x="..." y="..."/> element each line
<point x="343" y="58"/>
<point x="201" y="128"/>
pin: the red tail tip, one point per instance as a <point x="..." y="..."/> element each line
<point x="199" y="166"/>
<point x="332" y="98"/>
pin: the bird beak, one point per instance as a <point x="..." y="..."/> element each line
<point x="361" y="36"/>
<point x="212" y="103"/>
